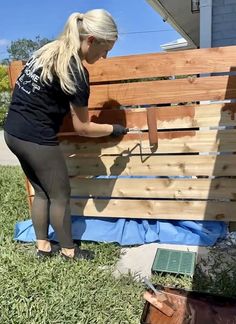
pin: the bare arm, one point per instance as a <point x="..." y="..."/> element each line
<point x="84" y="127"/>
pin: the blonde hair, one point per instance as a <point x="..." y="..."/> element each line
<point x="55" y="58"/>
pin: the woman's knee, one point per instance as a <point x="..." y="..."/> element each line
<point x="39" y="194"/>
<point x="62" y="194"/>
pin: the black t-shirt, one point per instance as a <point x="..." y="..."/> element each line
<point x="37" y="110"/>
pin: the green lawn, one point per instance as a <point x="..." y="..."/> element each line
<point x="59" y="292"/>
<point x="55" y="291"/>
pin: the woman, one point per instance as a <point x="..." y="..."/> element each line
<point x="54" y="82"/>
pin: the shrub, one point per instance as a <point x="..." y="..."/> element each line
<point x="4" y="103"/>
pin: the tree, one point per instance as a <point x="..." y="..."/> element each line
<point x="23" y="48"/>
<point x="4" y="62"/>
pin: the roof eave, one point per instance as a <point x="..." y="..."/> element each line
<point x="168" y="18"/>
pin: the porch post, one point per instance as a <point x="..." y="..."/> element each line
<point x="205" y="23"/>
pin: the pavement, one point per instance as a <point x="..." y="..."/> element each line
<point x="138" y="260"/>
<point x="6" y="156"/>
<point x="135" y="260"/>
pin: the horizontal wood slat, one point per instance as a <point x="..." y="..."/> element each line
<point x="167" y="117"/>
<point x="159" y="64"/>
<point x="154" y="209"/>
<point x="160" y="92"/>
<point x="179" y="165"/>
<point x="155" y="188"/>
<point x="164" y="64"/>
<point x="150" y="209"/>
<point x="168" y="142"/>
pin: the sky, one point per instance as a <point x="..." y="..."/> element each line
<point x="141" y="28"/>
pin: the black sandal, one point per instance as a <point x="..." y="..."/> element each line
<point x="80" y="255"/>
<point x="55" y="248"/>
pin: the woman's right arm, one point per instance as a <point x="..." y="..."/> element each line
<point x="84" y="127"/>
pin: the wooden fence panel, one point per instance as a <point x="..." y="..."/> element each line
<point x="183" y="134"/>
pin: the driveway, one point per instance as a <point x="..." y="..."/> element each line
<point x="6" y="156"/>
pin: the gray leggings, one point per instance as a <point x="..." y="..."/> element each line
<point x="46" y="170"/>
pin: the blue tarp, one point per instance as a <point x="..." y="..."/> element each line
<point x="134" y="231"/>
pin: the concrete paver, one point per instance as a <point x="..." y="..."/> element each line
<point x="6" y="156"/>
<point x="138" y="260"/>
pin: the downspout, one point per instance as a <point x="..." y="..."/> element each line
<point x="205" y="23"/>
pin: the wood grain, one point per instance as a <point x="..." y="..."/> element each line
<point x="155" y="188"/>
<point x="168" y="142"/>
<point x="221" y="59"/>
<point x="177" y="117"/>
<point x="157" y="165"/>
<point x="162" y="92"/>
<point x="155" y="209"/>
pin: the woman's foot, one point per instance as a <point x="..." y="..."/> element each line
<point x="77" y="254"/>
<point x="43" y="245"/>
<point x="46" y="249"/>
<point x="44" y="254"/>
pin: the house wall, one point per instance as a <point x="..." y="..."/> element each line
<point x="223" y="22"/>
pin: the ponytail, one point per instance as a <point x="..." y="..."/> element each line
<point x="55" y="58"/>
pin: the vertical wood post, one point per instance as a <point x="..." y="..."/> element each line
<point x="152" y="128"/>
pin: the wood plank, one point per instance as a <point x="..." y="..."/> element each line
<point x="196" y="61"/>
<point x="155" y="209"/>
<point x="155" y="188"/>
<point x="171" y="165"/>
<point x="14" y="70"/>
<point x="166" y="117"/>
<point x="159" y="64"/>
<point x="152" y="127"/>
<point x="168" y="142"/>
<point x="165" y="91"/>
<point x="30" y="192"/>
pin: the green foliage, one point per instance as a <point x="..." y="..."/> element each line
<point x="4" y="93"/>
<point x="4" y="103"/>
<point x="22" y="49"/>
<point x="4" y="61"/>
<point x="4" y="80"/>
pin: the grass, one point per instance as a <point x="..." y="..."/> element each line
<point x="55" y="291"/>
<point x="58" y="292"/>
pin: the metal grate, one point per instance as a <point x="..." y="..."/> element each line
<point x="172" y="261"/>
